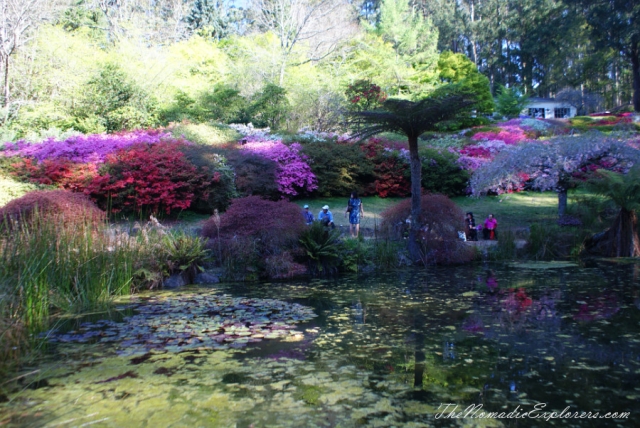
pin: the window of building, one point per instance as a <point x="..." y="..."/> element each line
<point x="562" y="113"/>
<point x="538" y="113"/>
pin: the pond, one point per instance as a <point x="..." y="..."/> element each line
<point x="370" y="350"/>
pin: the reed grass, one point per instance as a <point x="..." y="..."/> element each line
<point x="49" y="266"/>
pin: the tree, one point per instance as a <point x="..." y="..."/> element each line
<point x="621" y="239"/>
<point x="414" y="39"/>
<point x="584" y="101"/>
<point x="413" y="118"/>
<point x="555" y="164"/>
<point x="510" y="101"/>
<point x="213" y="18"/>
<point x="17" y="19"/>
<point x="319" y="25"/>
<point x="457" y="68"/>
<point x="615" y="24"/>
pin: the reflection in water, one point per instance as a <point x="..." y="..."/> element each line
<point x="384" y="351"/>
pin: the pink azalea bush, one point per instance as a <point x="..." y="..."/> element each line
<point x="92" y="148"/>
<point x="509" y="134"/>
<point x="294" y="173"/>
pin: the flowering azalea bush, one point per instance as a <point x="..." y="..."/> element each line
<point x="390" y="167"/>
<point x="149" y="177"/>
<point x="61" y="172"/>
<point x="91" y="148"/>
<point x="293" y="173"/>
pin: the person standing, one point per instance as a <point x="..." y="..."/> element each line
<point x="470" y="227"/>
<point x="308" y="215"/>
<point x="326" y="217"/>
<point x="490" y="225"/>
<point x="355" y="210"/>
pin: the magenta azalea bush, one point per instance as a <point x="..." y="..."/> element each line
<point x="294" y="173"/>
<point x="91" y="148"/>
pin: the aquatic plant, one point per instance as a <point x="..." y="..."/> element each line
<point x="197" y="320"/>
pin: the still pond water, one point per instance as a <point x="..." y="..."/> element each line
<point x="368" y="350"/>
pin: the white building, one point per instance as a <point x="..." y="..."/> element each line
<point x="549" y="108"/>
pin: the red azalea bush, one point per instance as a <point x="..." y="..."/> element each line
<point x="61" y="205"/>
<point x="441" y="219"/>
<point x="150" y="177"/>
<point x="274" y="223"/>
<point x="60" y="172"/>
<point x="390" y="168"/>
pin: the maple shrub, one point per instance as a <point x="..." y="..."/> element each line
<point x="59" y="205"/>
<point x="150" y="178"/>
<point x="441" y="219"/>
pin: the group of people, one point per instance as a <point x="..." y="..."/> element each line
<point x="354" y="210"/>
<point x="488" y="228"/>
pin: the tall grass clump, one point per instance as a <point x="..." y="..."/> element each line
<point x="506" y="247"/>
<point x="56" y="256"/>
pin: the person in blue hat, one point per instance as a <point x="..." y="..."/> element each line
<point x="308" y="215"/>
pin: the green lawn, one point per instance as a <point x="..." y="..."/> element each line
<point x="512" y="210"/>
<point x="372" y="205"/>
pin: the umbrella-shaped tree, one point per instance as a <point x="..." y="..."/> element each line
<point x="414" y="118"/>
<point x="555" y="164"/>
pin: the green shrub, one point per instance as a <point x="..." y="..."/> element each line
<point x="225" y="104"/>
<point x="441" y="173"/>
<point x="112" y="100"/>
<point x="354" y="254"/>
<point x="340" y="168"/>
<point x="462" y="123"/>
<point x="184" y="254"/>
<point x="269" y="107"/>
<point x="322" y="249"/>
<point x="11" y="189"/>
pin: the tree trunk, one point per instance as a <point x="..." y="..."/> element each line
<point x="635" y="72"/>
<point x="562" y="201"/>
<point x="416" y="178"/>
<point x="620" y="240"/>
<point x="5" y="100"/>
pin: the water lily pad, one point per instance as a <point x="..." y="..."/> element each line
<point x="192" y="321"/>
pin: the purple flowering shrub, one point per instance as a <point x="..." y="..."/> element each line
<point x="293" y="173"/>
<point x="91" y="148"/>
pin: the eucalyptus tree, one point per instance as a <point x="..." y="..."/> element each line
<point x="412" y="119"/>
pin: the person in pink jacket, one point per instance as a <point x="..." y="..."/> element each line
<point x="490" y="225"/>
